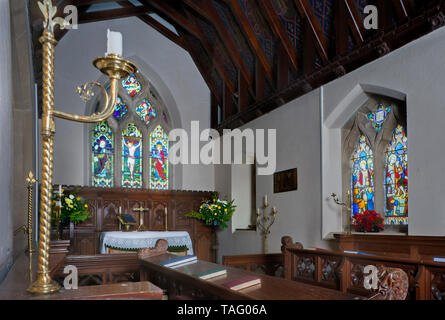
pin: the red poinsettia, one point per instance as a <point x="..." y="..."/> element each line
<point x="368" y="221"/>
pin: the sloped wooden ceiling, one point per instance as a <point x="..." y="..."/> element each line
<point x="256" y="55"/>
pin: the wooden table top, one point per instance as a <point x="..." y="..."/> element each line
<point x="271" y="288"/>
<point x="18" y="280"/>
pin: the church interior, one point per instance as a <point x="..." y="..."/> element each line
<point x="222" y="149"/>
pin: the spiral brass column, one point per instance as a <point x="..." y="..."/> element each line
<point x="116" y="68"/>
<point x="44" y="284"/>
<point x="31" y="182"/>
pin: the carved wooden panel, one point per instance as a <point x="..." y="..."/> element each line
<point x="105" y="203"/>
<point x="438" y="284"/>
<point x="110" y="212"/>
<point x="305" y="267"/>
<point x="157" y="216"/>
<point x="329" y="270"/>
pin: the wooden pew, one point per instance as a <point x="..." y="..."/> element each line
<point x="180" y="283"/>
<point x="344" y="272"/>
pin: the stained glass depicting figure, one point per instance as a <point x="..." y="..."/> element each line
<point x="362" y="179"/>
<point x="132" y="85"/>
<point x="145" y="111"/>
<point x="121" y="109"/>
<point x="102" y="155"/>
<point x="131" y="157"/>
<point x="379" y="116"/>
<point x="396" y="179"/>
<point x="158" y="159"/>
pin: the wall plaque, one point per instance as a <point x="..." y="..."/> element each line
<point x="285" y="181"/>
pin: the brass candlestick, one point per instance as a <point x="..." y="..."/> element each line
<point x="166" y="219"/>
<point x="116" y="68"/>
<point x="58" y="208"/>
<point x="31" y="181"/>
<point x="265" y="222"/>
<point x="27" y="229"/>
<point x="346" y="206"/>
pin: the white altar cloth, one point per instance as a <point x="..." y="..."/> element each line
<point x="144" y="239"/>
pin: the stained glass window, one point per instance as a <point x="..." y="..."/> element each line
<point x="362" y="180"/>
<point x="121" y="109"/>
<point x="378" y="117"/>
<point x="131" y="157"/>
<point x="396" y="179"/>
<point x="102" y="155"/>
<point x="158" y="159"/>
<point x="145" y="111"/>
<point x="132" y="85"/>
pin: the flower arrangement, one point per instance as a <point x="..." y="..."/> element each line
<point x="74" y="208"/>
<point x="214" y="212"/>
<point x="368" y="221"/>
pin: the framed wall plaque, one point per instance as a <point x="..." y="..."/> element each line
<point x="285" y="181"/>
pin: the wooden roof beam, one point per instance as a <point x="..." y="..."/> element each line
<point x="356" y="22"/>
<point x="209" y="12"/>
<point x="277" y="28"/>
<point x="213" y="54"/>
<point x="251" y="38"/>
<point x="157" y="26"/>
<point x="172" y="16"/>
<point x="305" y="10"/>
<point x="86" y="17"/>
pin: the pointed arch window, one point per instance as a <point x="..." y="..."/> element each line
<point x="362" y="179"/>
<point x="140" y="125"/>
<point x="375" y="161"/>
<point x="102" y="163"/>
<point x="158" y="159"/>
<point x="131" y="157"/>
<point x="396" y="179"/>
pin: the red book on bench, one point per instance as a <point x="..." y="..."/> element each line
<point x="242" y="282"/>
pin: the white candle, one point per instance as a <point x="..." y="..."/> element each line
<point x="114" y="42"/>
<point x="265" y="200"/>
<point x="60" y="189"/>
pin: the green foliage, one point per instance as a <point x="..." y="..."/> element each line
<point x="214" y="210"/>
<point x="74" y="208"/>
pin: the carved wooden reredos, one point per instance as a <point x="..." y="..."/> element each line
<point x="104" y="206"/>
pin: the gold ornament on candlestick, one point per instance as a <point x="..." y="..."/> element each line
<point x="265" y="222"/>
<point x="116" y="68"/>
<point x="347" y="214"/>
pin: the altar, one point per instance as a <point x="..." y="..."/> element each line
<point x="133" y="241"/>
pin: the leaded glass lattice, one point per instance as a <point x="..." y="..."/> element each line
<point x="378" y="117"/>
<point x="131" y="157"/>
<point x="132" y="85"/>
<point x="396" y="179"/>
<point x="158" y="159"/>
<point x="102" y="155"/>
<point x="145" y="111"/>
<point x="362" y="180"/>
<point x="121" y="109"/>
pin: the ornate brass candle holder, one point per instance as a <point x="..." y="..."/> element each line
<point x="346" y="216"/>
<point x="265" y="222"/>
<point x="58" y="208"/>
<point x="116" y="68"/>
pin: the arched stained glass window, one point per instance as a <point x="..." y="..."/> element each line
<point x="146" y="111"/>
<point x="102" y="155"/>
<point x="132" y="85"/>
<point x="158" y="159"/>
<point x="121" y="109"/>
<point x="362" y="180"/>
<point x="131" y="157"/>
<point x="396" y="179"/>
